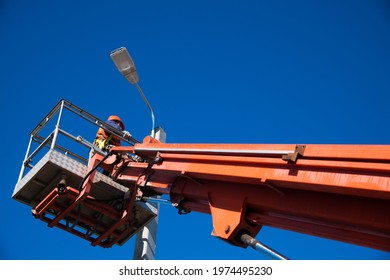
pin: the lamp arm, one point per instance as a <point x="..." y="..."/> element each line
<point x="150" y="108"/>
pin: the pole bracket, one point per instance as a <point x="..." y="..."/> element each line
<point x="293" y="157"/>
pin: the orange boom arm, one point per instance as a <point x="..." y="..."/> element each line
<point x="339" y="192"/>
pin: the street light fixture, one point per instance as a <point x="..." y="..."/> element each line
<point x="126" y="66"/>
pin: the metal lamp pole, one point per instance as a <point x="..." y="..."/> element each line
<point x="145" y="244"/>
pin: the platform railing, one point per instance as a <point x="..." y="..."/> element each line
<point x="38" y="137"/>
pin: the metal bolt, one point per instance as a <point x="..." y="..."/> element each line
<point x="227" y="229"/>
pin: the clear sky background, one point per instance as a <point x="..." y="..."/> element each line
<point x="214" y="72"/>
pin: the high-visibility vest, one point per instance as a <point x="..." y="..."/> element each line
<point x="104" y="138"/>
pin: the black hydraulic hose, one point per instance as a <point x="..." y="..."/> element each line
<point x="92" y="170"/>
<point x="79" y="189"/>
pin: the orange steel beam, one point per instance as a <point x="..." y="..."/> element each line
<point x="104" y="235"/>
<point x="99" y="228"/>
<point x="339" y="192"/>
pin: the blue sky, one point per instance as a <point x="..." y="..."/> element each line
<point x="214" y="72"/>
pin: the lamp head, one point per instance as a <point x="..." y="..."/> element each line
<point x="125" y="64"/>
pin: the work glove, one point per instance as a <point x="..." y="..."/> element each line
<point x="126" y="134"/>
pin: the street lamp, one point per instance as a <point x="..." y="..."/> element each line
<point x="126" y="66"/>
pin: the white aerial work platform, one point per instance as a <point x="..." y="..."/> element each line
<point x="64" y="194"/>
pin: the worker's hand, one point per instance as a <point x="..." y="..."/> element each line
<point x="126" y="134"/>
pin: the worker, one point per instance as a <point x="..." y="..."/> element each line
<point x="104" y="139"/>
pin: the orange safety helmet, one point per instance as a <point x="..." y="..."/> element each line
<point x="118" y="119"/>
